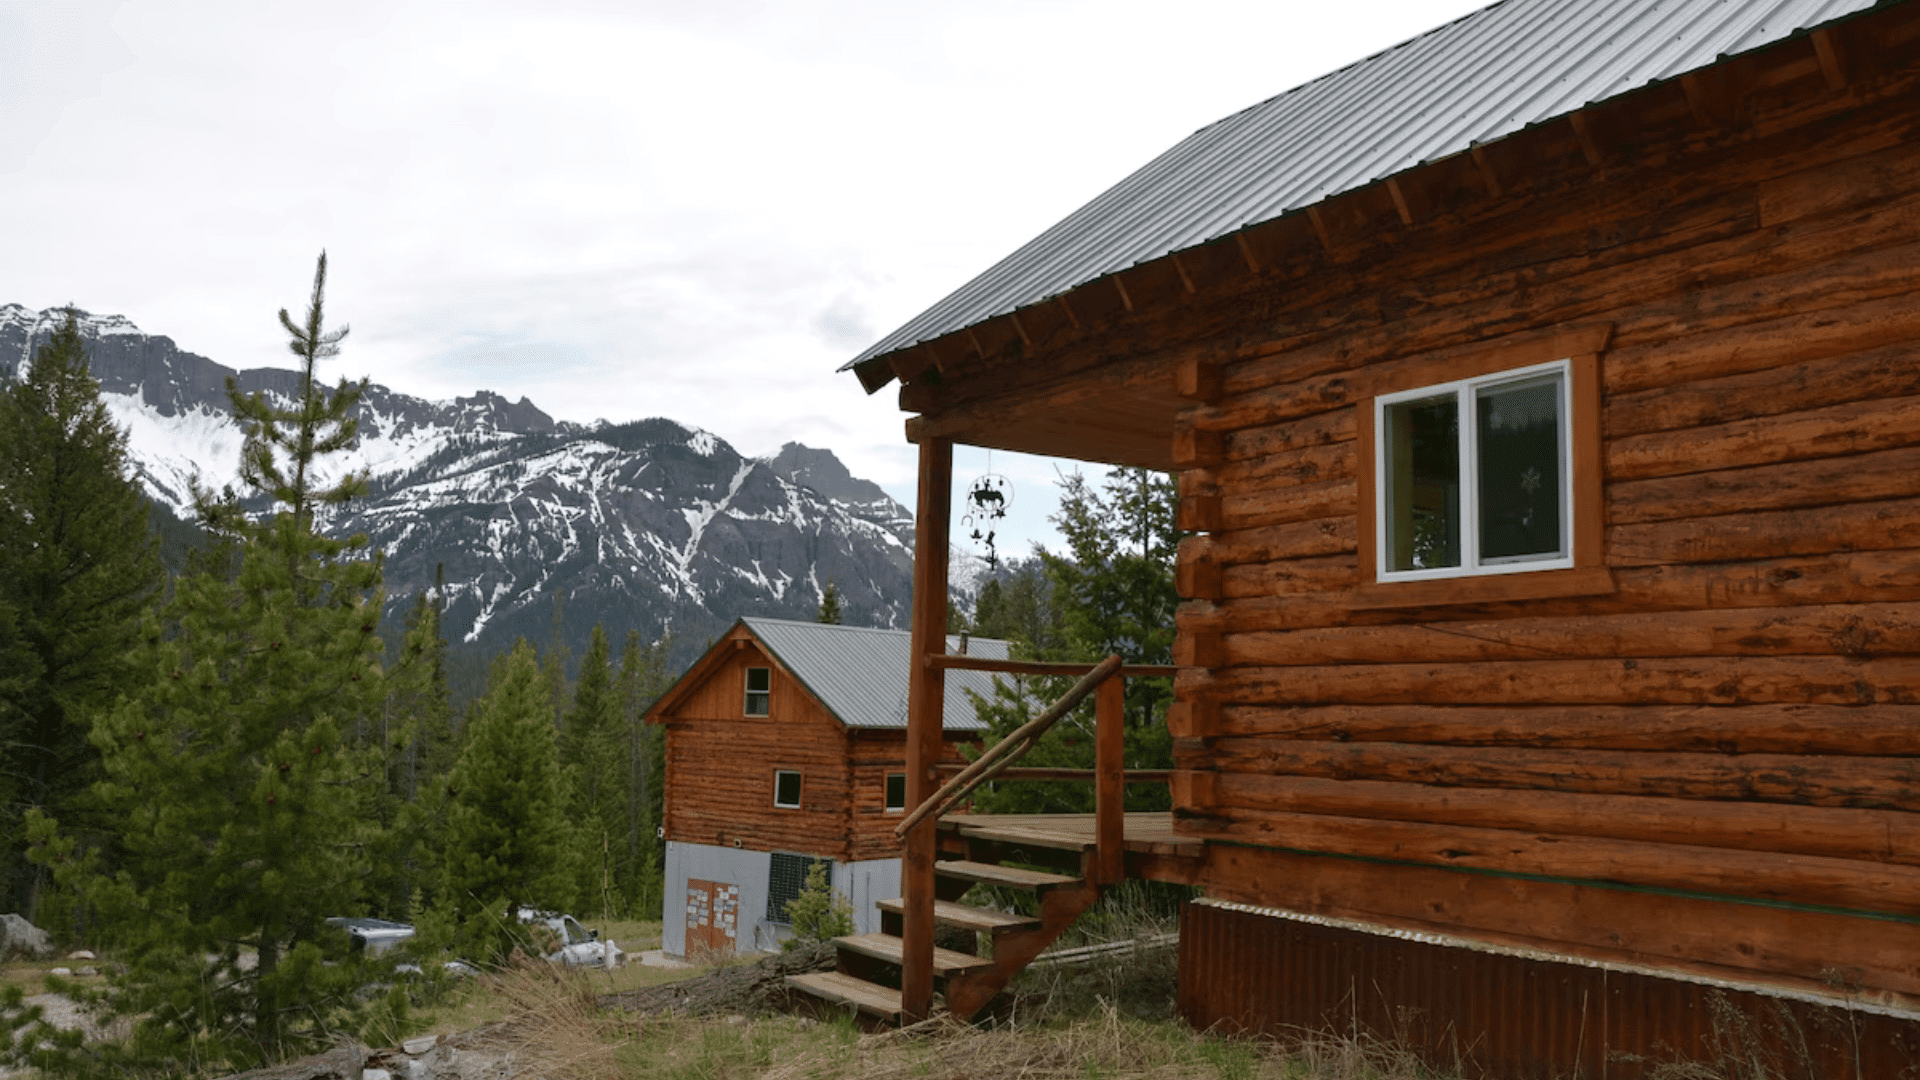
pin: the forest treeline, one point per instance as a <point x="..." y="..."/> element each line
<point x="202" y="767"/>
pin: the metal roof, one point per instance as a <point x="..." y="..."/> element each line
<point x="1481" y="77"/>
<point x="860" y="674"/>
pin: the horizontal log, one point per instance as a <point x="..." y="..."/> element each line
<point x="1891" y="836"/>
<point x="1830" y="267"/>
<point x="1861" y="782"/>
<point x="1323" y="536"/>
<point x="1861" y="730"/>
<point x="1708" y="937"/>
<point x="1311" y="592"/>
<point x="1268" y="440"/>
<point x="1834" y="431"/>
<point x="1858" y="353"/>
<point x="1307" y="465"/>
<point x="1843" y="629"/>
<point x="1886" y="474"/>
<point x="1716" y="680"/>
<point x="1801" y="879"/>
<point x="1766" y="534"/>
<point x="1251" y="508"/>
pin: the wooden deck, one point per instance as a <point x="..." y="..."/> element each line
<point x="1145" y="833"/>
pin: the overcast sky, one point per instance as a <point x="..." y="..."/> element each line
<point x="619" y="210"/>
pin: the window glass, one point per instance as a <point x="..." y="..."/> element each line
<point x="786" y="876"/>
<point x="1473" y="476"/>
<point x="786" y="788"/>
<point x="1423" y="483"/>
<point x="896" y="791"/>
<point x="759" y="691"/>
<point x="1519" y="447"/>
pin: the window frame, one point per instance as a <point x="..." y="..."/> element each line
<point x="886" y="793"/>
<point x="1466" y="396"/>
<point x="746" y="705"/>
<point x="799" y="783"/>
<point x="1585" y="573"/>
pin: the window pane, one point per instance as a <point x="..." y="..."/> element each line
<point x="1423" y="483"/>
<point x="896" y="791"/>
<point x="1520" y="470"/>
<point x="759" y="691"/>
<point x="786" y="788"/>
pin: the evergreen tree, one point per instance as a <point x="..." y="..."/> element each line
<point x="590" y="749"/>
<point x="508" y="844"/>
<point x="1114" y="593"/>
<point x="242" y="800"/>
<point x="829" y="605"/>
<point x="644" y="676"/>
<point x="78" y="565"/>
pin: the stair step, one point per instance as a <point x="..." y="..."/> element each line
<point x="993" y="874"/>
<point x="842" y="989"/>
<point x="889" y="948"/>
<point x="979" y="920"/>
<point x="1030" y="837"/>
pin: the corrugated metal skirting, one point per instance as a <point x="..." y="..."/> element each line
<point x="1504" y="1017"/>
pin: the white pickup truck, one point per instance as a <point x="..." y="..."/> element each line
<point x="579" y="946"/>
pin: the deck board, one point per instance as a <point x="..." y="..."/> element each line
<point x="1149" y="832"/>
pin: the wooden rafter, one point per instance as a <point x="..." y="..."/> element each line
<point x="1246" y="251"/>
<point x="1320" y="227"/>
<point x="1180" y="268"/>
<point x="1126" y="301"/>
<point x="1020" y="328"/>
<point x="1068" y="308"/>
<point x="978" y="349"/>
<point x="1589" y="140"/>
<point x="1400" y="202"/>
<point x="1833" y="61"/>
<point x="1483" y="164"/>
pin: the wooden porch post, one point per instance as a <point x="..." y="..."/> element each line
<point x="1109" y="782"/>
<point x="926" y="696"/>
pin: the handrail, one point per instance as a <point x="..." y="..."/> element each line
<point x="962" y="662"/>
<point x="1008" y="750"/>
<point x="1131" y="776"/>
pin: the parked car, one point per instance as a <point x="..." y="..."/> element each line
<point x="579" y="946"/>
<point x="375" y="936"/>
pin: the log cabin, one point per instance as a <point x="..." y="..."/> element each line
<point x="1545" y="402"/>
<point x="786" y="746"/>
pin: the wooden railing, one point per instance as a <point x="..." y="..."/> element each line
<point x="1109" y="773"/>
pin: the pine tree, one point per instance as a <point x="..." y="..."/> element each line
<point x="242" y="799"/>
<point x="78" y="565"/>
<point x="590" y="750"/>
<point x="508" y="842"/>
<point x="829" y="605"/>
<point x="1113" y="593"/>
<point x="644" y="676"/>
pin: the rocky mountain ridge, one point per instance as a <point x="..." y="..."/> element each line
<point x="651" y="525"/>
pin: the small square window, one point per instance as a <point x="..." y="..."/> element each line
<point x="896" y="792"/>
<point x="786" y="789"/>
<point x="759" y="691"/>
<point x="1474" y="476"/>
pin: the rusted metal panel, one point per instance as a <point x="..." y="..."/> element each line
<point x="1494" y="1015"/>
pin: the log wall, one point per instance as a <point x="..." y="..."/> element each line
<point x="720" y="765"/>
<point x="721" y="762"/>
<point x="1704" y="749"/>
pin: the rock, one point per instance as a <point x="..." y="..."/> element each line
<point x="23" y="938"/>
<point x="82" y="954"/>
<point x="63" y="972"/>
<point x="86" y="971"/>
<point x="375" y="1074"/>
<point x="420" y="1044"/>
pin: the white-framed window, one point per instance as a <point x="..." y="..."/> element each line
<point x="786" y="789"/>
<point x="896" y="792"/>
<point x="1475" y="476"/>
<point x="759" y="691"/>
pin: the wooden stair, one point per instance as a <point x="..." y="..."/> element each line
<point x="868" y="965"/>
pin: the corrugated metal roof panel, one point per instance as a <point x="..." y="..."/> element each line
<point x="1482" y="77"/>
<point x="860" y="674"/>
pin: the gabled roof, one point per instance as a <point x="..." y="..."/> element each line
<point x="859" y="674"/>
<point x="1477" y="79"/>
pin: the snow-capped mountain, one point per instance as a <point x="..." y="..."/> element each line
<point x="646" y="525"/>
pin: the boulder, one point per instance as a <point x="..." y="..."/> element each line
<point x="22" y="938"/>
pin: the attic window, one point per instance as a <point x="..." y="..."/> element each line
<point x="896" y="792"/>
<point x="786" y="789"/>
<point x="759" y="691"/>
